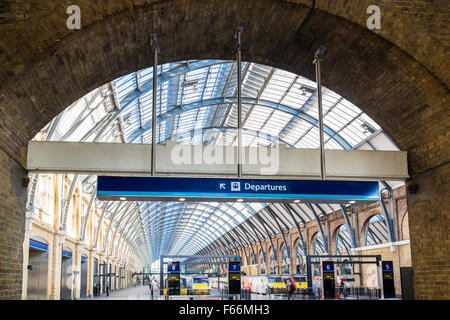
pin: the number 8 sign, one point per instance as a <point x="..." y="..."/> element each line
<point x="173" y="267"/>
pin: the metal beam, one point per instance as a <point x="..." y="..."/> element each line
<point x="176" y="110"/>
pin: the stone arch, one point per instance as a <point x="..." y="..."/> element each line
<point x="217" y="42"/>
<point x="384" y="78"/>
<point x="262" y="261"/>
<point x="315" y="247"/>
<point x="298" y="265"/>
<point x="334" y="233"/>
<point x="312" y="236"/>
<point x="363" y="226"/>
<point x="41" y="237"/>
<point x="284" y="264"/>
<point x="366" y="224"/>
<point x="405" y="227"/>
<point x="272" y="261"/>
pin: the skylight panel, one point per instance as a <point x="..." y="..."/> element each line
<point x="272" y="93"/>
<point x="295" y="100"/>
<point x="296" y="131"/>
<point x="350" y="138"/>
<point x="310" y="140"/>
<point x="126" y="87"/>
<point x="276" y="122"/>
<point x="333" y="144"/>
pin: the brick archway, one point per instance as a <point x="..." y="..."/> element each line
<point x="394" y="81"/>
<point x="333" y="239"/>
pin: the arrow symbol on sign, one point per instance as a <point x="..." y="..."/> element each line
<point x="222" y="186"/>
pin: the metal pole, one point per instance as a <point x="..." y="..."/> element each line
<point x="154" y="44"/>
<point x="379" y="278"/>
<point x="317" y="56"/>
<point x="237" y="36"/>
<point x="309" y="275"/>
<point x="161" y="275"/>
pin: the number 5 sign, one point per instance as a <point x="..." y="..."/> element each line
<point x="387" y="266"/>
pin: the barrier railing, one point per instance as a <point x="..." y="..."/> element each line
<point x="353" y="293"/>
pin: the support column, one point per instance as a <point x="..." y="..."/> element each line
<point x="76" y="292"/>
<point x="58" y="241"/>
<point x="90" y="280"/>
<point x="428" y="208"/>
<point x="26" y="256"/>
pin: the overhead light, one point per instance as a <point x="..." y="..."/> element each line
<point x="123" y="198"/>
<point x="296" y="201"/>
<point x="181" y="199"/>
<point x="352" y="201"/>
<point x="240" y="200"/>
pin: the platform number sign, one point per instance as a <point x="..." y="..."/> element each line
<point x="387" y="266"/>
<point x="234" y="267"/>
<point x="328" y="267"/>
<point x="173" y="267"/>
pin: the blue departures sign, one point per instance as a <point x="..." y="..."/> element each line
<point x="225" y="189"/>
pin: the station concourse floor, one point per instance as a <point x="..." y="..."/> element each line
<point x="141" y="292"/>
<point x="132" y="293"/>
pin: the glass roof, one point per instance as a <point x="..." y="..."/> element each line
<point x="197" y="104"/>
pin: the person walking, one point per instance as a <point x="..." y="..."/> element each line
<point x="150" y="285"/>
<point x="107" y="288"/>
<point x="290" y="288"/>
<point x="341" y="288"/>
<point x="154" y="287"/>
<point x="347" y="288"/>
